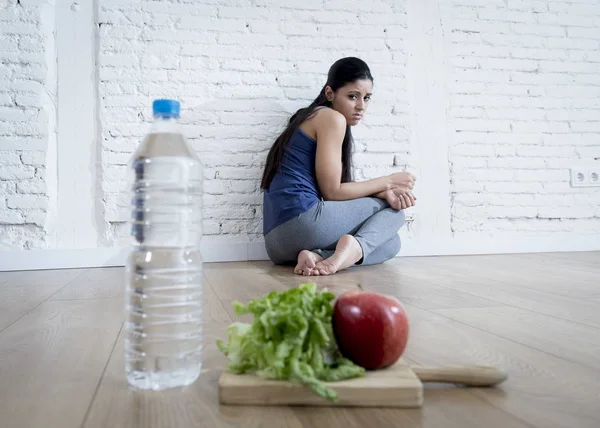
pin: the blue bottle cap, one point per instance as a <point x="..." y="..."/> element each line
<point x="166" y="108"/>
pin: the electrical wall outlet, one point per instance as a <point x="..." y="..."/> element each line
<point x="585" y="176"/>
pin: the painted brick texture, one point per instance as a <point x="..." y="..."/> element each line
<point x="240" y="69"/>
<point x="24" y="124"/>
<point x="521" y="85"/>
<point x="524" y="106"/>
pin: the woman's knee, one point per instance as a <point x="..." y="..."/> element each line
<point x="401" y="216"/>
<point x="385" y="252"/>
<point x="276" y="256"/>
<point x="279" y="254"/>
<point x="272" y="250"/>
<point x="392" y="248"/>
<point x="395" y="246"/>
<point x="276" y="260"/>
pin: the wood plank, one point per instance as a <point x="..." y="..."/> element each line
<point x="116" y="405"/>
<point x="568" y="266"/>
<point x="336" y="284"/>
<point x="98" y="283"/>
<point x="578" y="261"/>
<point x="40" y="277"/>
<point x="359" y="417"/>
<point x="542" y="390"/>
<point x="282" y="277"/>
<point x="393" y="280"/>
<point x="564" y="339"/>
<point x="16" y="301"/>
<point x="448" y="408"/>
<point x="382" y="278"/>
<point x="106" y="283"/>
<point x="386" y="417"/>
<point x="259" y="265"/>
<point x="52" y="359"/>
<point x="213" y="309"/>
<point x="197" y="405"/>
<point x="504" y="292"/>
<point x="515" y="271"/>
<point x="241" y="284"/>
<point x="256" y="281"/>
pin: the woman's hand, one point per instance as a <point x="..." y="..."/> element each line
<point x="404" y="180"/>
<point x="399" y="198"/>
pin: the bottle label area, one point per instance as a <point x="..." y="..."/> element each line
<point x="167" y="201"/>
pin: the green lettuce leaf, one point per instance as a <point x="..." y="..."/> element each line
<point x="290" y="338"/>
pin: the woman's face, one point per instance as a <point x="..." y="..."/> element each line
<point x="351" y="99"/>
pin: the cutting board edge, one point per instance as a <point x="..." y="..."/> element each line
<point x="414" y="403"/>
<point x="409" y="395"/>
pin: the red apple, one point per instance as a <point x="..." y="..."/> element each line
<point x="371" y="329"/>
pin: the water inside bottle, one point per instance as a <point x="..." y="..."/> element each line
<point x="163" y="345"/>
<point x="163" y="328"/>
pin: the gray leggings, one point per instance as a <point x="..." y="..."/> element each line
<point x="370" y="220"/>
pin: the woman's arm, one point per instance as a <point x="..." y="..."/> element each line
<point x="330" y="127"/>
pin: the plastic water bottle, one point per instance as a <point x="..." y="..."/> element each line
<point x="163" y="302"/>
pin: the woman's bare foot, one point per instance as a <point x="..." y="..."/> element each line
<point x="347" y="252"/>
<point x="307" y="260"/>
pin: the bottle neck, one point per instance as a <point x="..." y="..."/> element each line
<point x="165" y="124"/>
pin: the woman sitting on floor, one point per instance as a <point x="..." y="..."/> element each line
<point x="315" y="215"/>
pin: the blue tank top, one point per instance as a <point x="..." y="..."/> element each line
<point x="294" y="188"/>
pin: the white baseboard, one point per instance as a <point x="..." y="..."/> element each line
<point x="213" y="250"/>
<point x="478" y="243"/>
<point x="224" y="250"/>
<point x="61" y="259"/>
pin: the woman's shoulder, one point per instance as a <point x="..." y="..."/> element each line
<point x="329" y="116"/>
<point x="322" y="119"/>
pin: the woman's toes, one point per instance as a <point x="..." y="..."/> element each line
<point x="307" y="262"/>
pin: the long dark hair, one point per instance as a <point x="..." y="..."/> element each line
<point x="342" y="72"/>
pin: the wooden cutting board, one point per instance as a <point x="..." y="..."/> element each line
<point x="395" y="386"/>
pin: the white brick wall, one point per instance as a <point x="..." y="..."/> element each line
<point x="524" y="89"/>
<point x="521" y="81"/>
<point x="24" y="124"/>
<point x="240" y="69"/>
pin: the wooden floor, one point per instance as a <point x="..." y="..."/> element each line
<point x="537" y="316"/>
